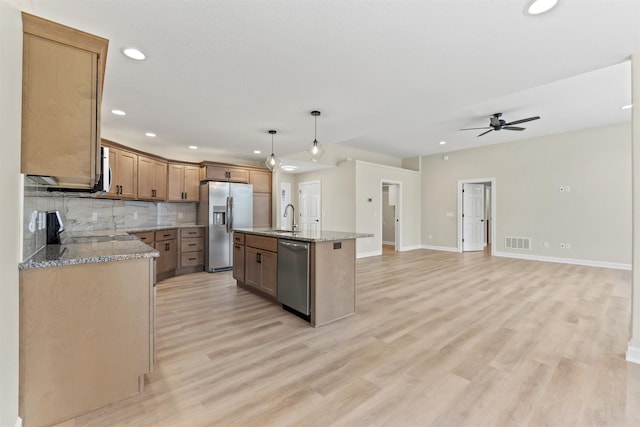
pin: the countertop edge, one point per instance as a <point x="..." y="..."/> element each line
<point x="325" y="236"/>
<point x="27" y="265"/>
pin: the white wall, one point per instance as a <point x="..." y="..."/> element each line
<point x="10" y="214"/>
<point x="594" y="217"/>
<point x="337" y="153"/>
<point x="369" y="178"/>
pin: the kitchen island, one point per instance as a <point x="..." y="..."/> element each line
<point x="331" y="269"/>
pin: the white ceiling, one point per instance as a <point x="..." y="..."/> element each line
<point x="393" y="77"/>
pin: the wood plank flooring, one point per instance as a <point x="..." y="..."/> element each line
<point x="439" y="339"/>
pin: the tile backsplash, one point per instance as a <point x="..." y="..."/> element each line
<point x="83" y="212"/>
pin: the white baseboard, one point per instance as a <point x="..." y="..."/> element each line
<point x="590" y="263"/>
<point x="409" y="248"/>
<point x="368" y="254"/>
<point x="19" y="422"/>
<point x="388" y="243"/>
<point x="440" y="248"/>
<point x="633" y="354"/>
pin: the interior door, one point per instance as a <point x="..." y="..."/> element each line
<point x="473" y="227"/>
<point x="309" y="204"/>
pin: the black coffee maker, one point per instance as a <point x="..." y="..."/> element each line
<point x="54" y="227"/>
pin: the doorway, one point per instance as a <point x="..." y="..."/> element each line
<point x="476" y="215"/>
<point x="390" y="214"/>
<point x="309" y="203"/>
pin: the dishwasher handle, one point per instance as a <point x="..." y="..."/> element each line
<point x="295" y="246"/>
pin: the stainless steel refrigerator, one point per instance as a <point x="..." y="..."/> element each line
<point x="223" y="207"/>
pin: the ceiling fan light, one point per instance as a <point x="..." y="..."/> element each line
<point x="538" y="7"/>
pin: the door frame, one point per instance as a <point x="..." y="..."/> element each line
<point x="494" y="212"/>
<point x="398" y="210"/>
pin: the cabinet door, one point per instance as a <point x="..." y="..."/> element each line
<point x="175" y="182"/>
<point x="253" y="268"/>
<point x="261" y="181"/>
<point x="61" y="91"/>
<point x="269" y="273"/>
<point x="161" y="260"/>
<point x="145" y="178"/>
<point x="191" y="183"/>
<point x="159" y="180"/>
<point x="127" y="174"/>
<point x="113" y="160"/>
<point x="238" y="262"/>
<point x="261" y="210"/>
<point x="168" y="259"/>
<point x="238" y="175"/>
<point x="217" y="173"/>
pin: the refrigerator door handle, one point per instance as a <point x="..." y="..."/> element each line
<point x="229" y="214"/>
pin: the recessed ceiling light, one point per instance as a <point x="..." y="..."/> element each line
<point x="443" y="142"/>
<point x="193" y="147"/>
<point x="257" y="152"/>
<point x="538" y="7"/>
<point x="119" y="112"/>
<point x="150" y="134"/>
<point x="288" y="168"/>
<point x="626" y="107"/>
<point x="134" y="53"/>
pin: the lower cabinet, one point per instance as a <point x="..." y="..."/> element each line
<point x="238" y="257"/>
<point x="166" y="244"/>
<point x="191" y="250"/>
<point x="261" y="264"/>
<point x="86" y="337"/>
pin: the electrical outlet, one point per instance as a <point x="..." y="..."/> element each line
<point x="94" y="216"/>
<point x="135" y="215"/>
<point x="180" y="215"/>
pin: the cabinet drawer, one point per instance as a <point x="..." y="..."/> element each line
<point x="166" y="235"/>
<point x="191" y="232"/>
<point x="238" y="238"/>
<point x="262" y="242"/>
<point x="191" y="244"/>
<point x="191" y="258"/>
<point x="147" y="237"/>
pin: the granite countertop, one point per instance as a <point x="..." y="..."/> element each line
<point x="305" y="236"/>
<point x="96" y="246"/>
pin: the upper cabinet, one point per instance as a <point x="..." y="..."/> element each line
<point x="124" y="172"/>
<point x="261" y="181"/>
<point x="62" y="79"/>
<point x="152" y="179"/>
<point x="217" y="172"/>
<point x="183" y="183"/>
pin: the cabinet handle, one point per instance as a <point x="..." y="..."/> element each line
<point x="237" y="246"/>
<point x="192" y="259"/>
<point x="166" y="235"/>
<point x="166" y="246"/>
<point x="259" y="258"/>
<point x="192" y="244"/>
<point x="153" y="193"/>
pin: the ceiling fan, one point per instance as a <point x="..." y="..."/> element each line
<point x="496" y="123"/>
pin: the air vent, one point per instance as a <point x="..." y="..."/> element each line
<point x="517" y="243"/>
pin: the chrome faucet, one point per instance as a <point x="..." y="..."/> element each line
<point x="293" y="216"/>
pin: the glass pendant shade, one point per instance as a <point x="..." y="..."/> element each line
<point x="316" y="150"/>
<point x="272" y="161"/>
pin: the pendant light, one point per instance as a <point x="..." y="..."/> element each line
<point x="316" y="151"/>
<point x="272" y="162"/>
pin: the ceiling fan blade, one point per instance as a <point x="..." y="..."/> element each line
<point x="512" y="128"/>
<point x="488" y="127"/>
<point x="522" y="120"/>
<point x="484" y="133"/>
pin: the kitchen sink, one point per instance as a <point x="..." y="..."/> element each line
<point x="280" y="231"/>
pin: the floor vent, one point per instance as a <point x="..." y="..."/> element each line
<point x="517" y="243"/>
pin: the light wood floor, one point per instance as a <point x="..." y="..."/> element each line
<point x="439" y="339"/>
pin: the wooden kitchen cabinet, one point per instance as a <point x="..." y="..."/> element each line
<point x="191" y="250"/>
<point x="238" y="256"/>
<point x="261" y="181"/>
<point x="62" y="80"/>
<point x="212" y="172"/>
<point x="166" y="244"/>
<point x="183" y="183"/>
<point x="124" y="172"/>
<point x="261" y="210"/>
<point x="261" y="263"/>
<point x="86" y="337"/>
<point x="152" y="179"/>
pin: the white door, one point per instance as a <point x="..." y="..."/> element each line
<point x="309" y="204"/>
<point x="473" y="227"/>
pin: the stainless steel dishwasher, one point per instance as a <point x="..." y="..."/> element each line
<point x="293" y="276"/>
